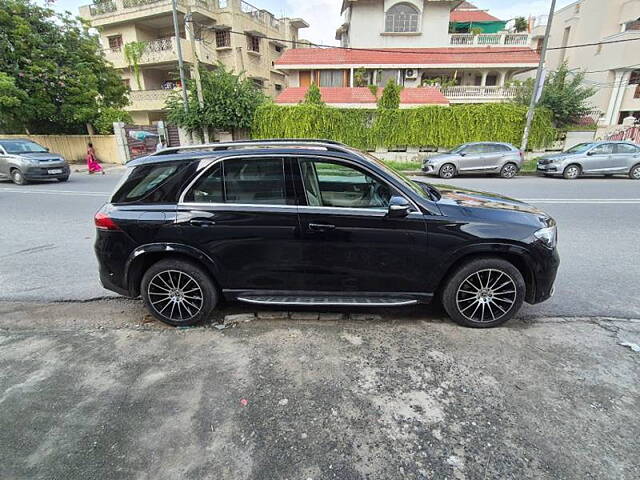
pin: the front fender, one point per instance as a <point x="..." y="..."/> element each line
<point x="137" y="259"/>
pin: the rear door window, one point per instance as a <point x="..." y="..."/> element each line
<point x="626" y="148"/>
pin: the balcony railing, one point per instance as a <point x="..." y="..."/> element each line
<point x="148" y="99"/>
<point x="103" y="7"/>
<point x="479" y="93"/>
<point x="483" y="39"/>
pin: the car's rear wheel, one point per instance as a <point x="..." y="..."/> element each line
<point x="509" y="170"/>
<point x="17" y="177"/>
<point x="178" y="292"/>
<point x="484" y="293"/>
<point x="634" y="173"/>
<point x="448" y="170"/>
<point x="571" y="172"/>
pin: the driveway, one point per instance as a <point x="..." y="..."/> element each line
<point x="90" y="391"/>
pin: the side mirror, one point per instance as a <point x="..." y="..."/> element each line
<point x="46" y="149"/>
<point x="398" y="207"/>
<point x="590" y="153"/>
<point x="462" y="154"/>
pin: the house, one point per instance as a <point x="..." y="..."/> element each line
<point x="409" y="41"/>
<point x="613" y="66"/>
<point x="243" y="37"/>
<point x="467" y="18"/>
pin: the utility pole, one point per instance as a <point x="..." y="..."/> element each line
<point x="195" y="71"/>
<point x="537" y="87"/>
<point x="176" y="29"/>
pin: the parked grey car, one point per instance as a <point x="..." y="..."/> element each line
<point x="479" y="157"/>
<point x="22" y="160"/>
<point x="596" y="158"/>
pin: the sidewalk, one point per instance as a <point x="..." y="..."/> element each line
<point x="90" y="387"/>
<point x="82" y="168"/>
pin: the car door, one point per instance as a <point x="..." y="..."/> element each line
<point x="494" y="154"/>
<point x="349" y="244"/>
<point x="624" y="157"/>
<point x="598" y="159"/>
<point x="472" y="158"/>
<point x="242" y="213"/>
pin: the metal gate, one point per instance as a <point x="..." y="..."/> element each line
<point x="143" y="139"/>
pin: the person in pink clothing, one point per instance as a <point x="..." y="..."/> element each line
<point x="92" y="160"/>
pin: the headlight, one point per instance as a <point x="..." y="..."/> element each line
<point x="548" y="236"/>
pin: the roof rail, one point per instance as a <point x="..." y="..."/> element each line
<point x="330" y="145"/>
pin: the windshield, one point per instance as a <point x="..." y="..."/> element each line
<point x="580" y="148"/>
<point x="22" y="146"/>
<point x="423" y="191"/>
<point x="458" y="149"/>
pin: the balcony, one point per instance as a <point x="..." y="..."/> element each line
<point x="487" y="39"/>
<point x="148" y="100"/>
<point x="472" y="94"/>
<point x="161" y="50"/>
<point x="106" y="12"/>
<point x="259" y="15"/>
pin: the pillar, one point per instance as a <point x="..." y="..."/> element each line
<point x="121" y="142"/>
<point x="483" y="83"/>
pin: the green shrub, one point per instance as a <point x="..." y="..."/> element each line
<point x="313" y="95"/>
<point x="106" y="117"/>
<point x="390" y="98"/>
<point x="414" y="127"/>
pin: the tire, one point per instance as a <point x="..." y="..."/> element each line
<point x="509" y="170"/>
<point x="178" y="292"/>
<point x="448" y="170"/>
<point x="17" y="177"/>
<point x="63" y="179"/>
<point x="634" y="173"/>
<point x="571" y="172"/>
<point x="484" y="293"/>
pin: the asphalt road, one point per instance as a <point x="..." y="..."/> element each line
<point x="46" y="237"/>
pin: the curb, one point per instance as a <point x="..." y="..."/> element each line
<point x="78" y="169"/>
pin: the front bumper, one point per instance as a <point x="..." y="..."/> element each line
<point x="46" y="173"/>
<point x="548" y="169"/>
<point x="546" y="271"/>
<point x="429" y="169"/>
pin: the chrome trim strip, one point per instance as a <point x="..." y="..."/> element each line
<point x="331" y="304"/>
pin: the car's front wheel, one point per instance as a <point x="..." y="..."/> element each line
<point x="17" y="177"/>
<point x="178" y="292"/>
<point x="484" y="293"/>
<point x="448" y="170"/>
<point x="571" y="172"/>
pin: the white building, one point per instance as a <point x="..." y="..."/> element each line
<point x="612" y="68"/>
<point x="409" y="41"/>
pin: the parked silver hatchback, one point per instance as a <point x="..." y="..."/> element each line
<point x="479" y="157"/>
<point x="22" y="160"/>
<point x="596" y="158"/>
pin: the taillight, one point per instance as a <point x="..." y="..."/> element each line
<point x="105" y="222"/>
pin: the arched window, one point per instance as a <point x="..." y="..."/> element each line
<point x="402" y="17"/>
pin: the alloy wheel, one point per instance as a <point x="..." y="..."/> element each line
<point x="486" y="295"/>
<point x="447" y="171"/>
<point x="175" y="295"/>
<point x="509" y="170"/>
<point x="571" y="172"/>
<point x="635" y="173"/>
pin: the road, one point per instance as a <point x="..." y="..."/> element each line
<point x="46" y="234"/>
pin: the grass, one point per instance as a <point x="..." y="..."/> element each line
<point x="529" y="165"/>
<point x="404" y="166"/>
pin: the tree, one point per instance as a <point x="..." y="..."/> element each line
<point x="230" y="102"/>
<point x="11" y="99"/>
<point x="59" y="73"/>
<point x="390" y="98"/>
<point x="313" y="95"/>
<point x="563" y="93"/>
<point x="521" y="24"/>
<point x="360" y="77"/>
<point x="109" y="115"/>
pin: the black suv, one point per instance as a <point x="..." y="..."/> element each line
<point x="315" y="223"/>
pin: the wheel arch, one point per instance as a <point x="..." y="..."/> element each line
<point x="146" y="255"/>
<point x="514" y="254"/>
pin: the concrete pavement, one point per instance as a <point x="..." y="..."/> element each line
<point x="89" y="392"/>
<point x="47" y="236"/>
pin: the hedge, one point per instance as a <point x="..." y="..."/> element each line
<point x="414" y="127"/>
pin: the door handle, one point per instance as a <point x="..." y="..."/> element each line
<point x="201" y="222"/>
<point x="321" y="227"/>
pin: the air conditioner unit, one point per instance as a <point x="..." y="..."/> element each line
<point x="410" y="74"/>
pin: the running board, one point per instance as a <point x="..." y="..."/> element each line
<point x="323" y="300"/>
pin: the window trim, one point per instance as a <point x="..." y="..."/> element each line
<point x="404" y="32"/>
<point x="347" y="211"/>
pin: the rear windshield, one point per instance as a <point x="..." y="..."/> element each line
<point x="147" y="182"/>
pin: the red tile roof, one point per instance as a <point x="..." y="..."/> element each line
<point x="407" y="56"/>
<point x="467" y="12"/>
<point x="335" y="95"/>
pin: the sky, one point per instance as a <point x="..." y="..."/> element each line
<point x="324" y="15"/>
